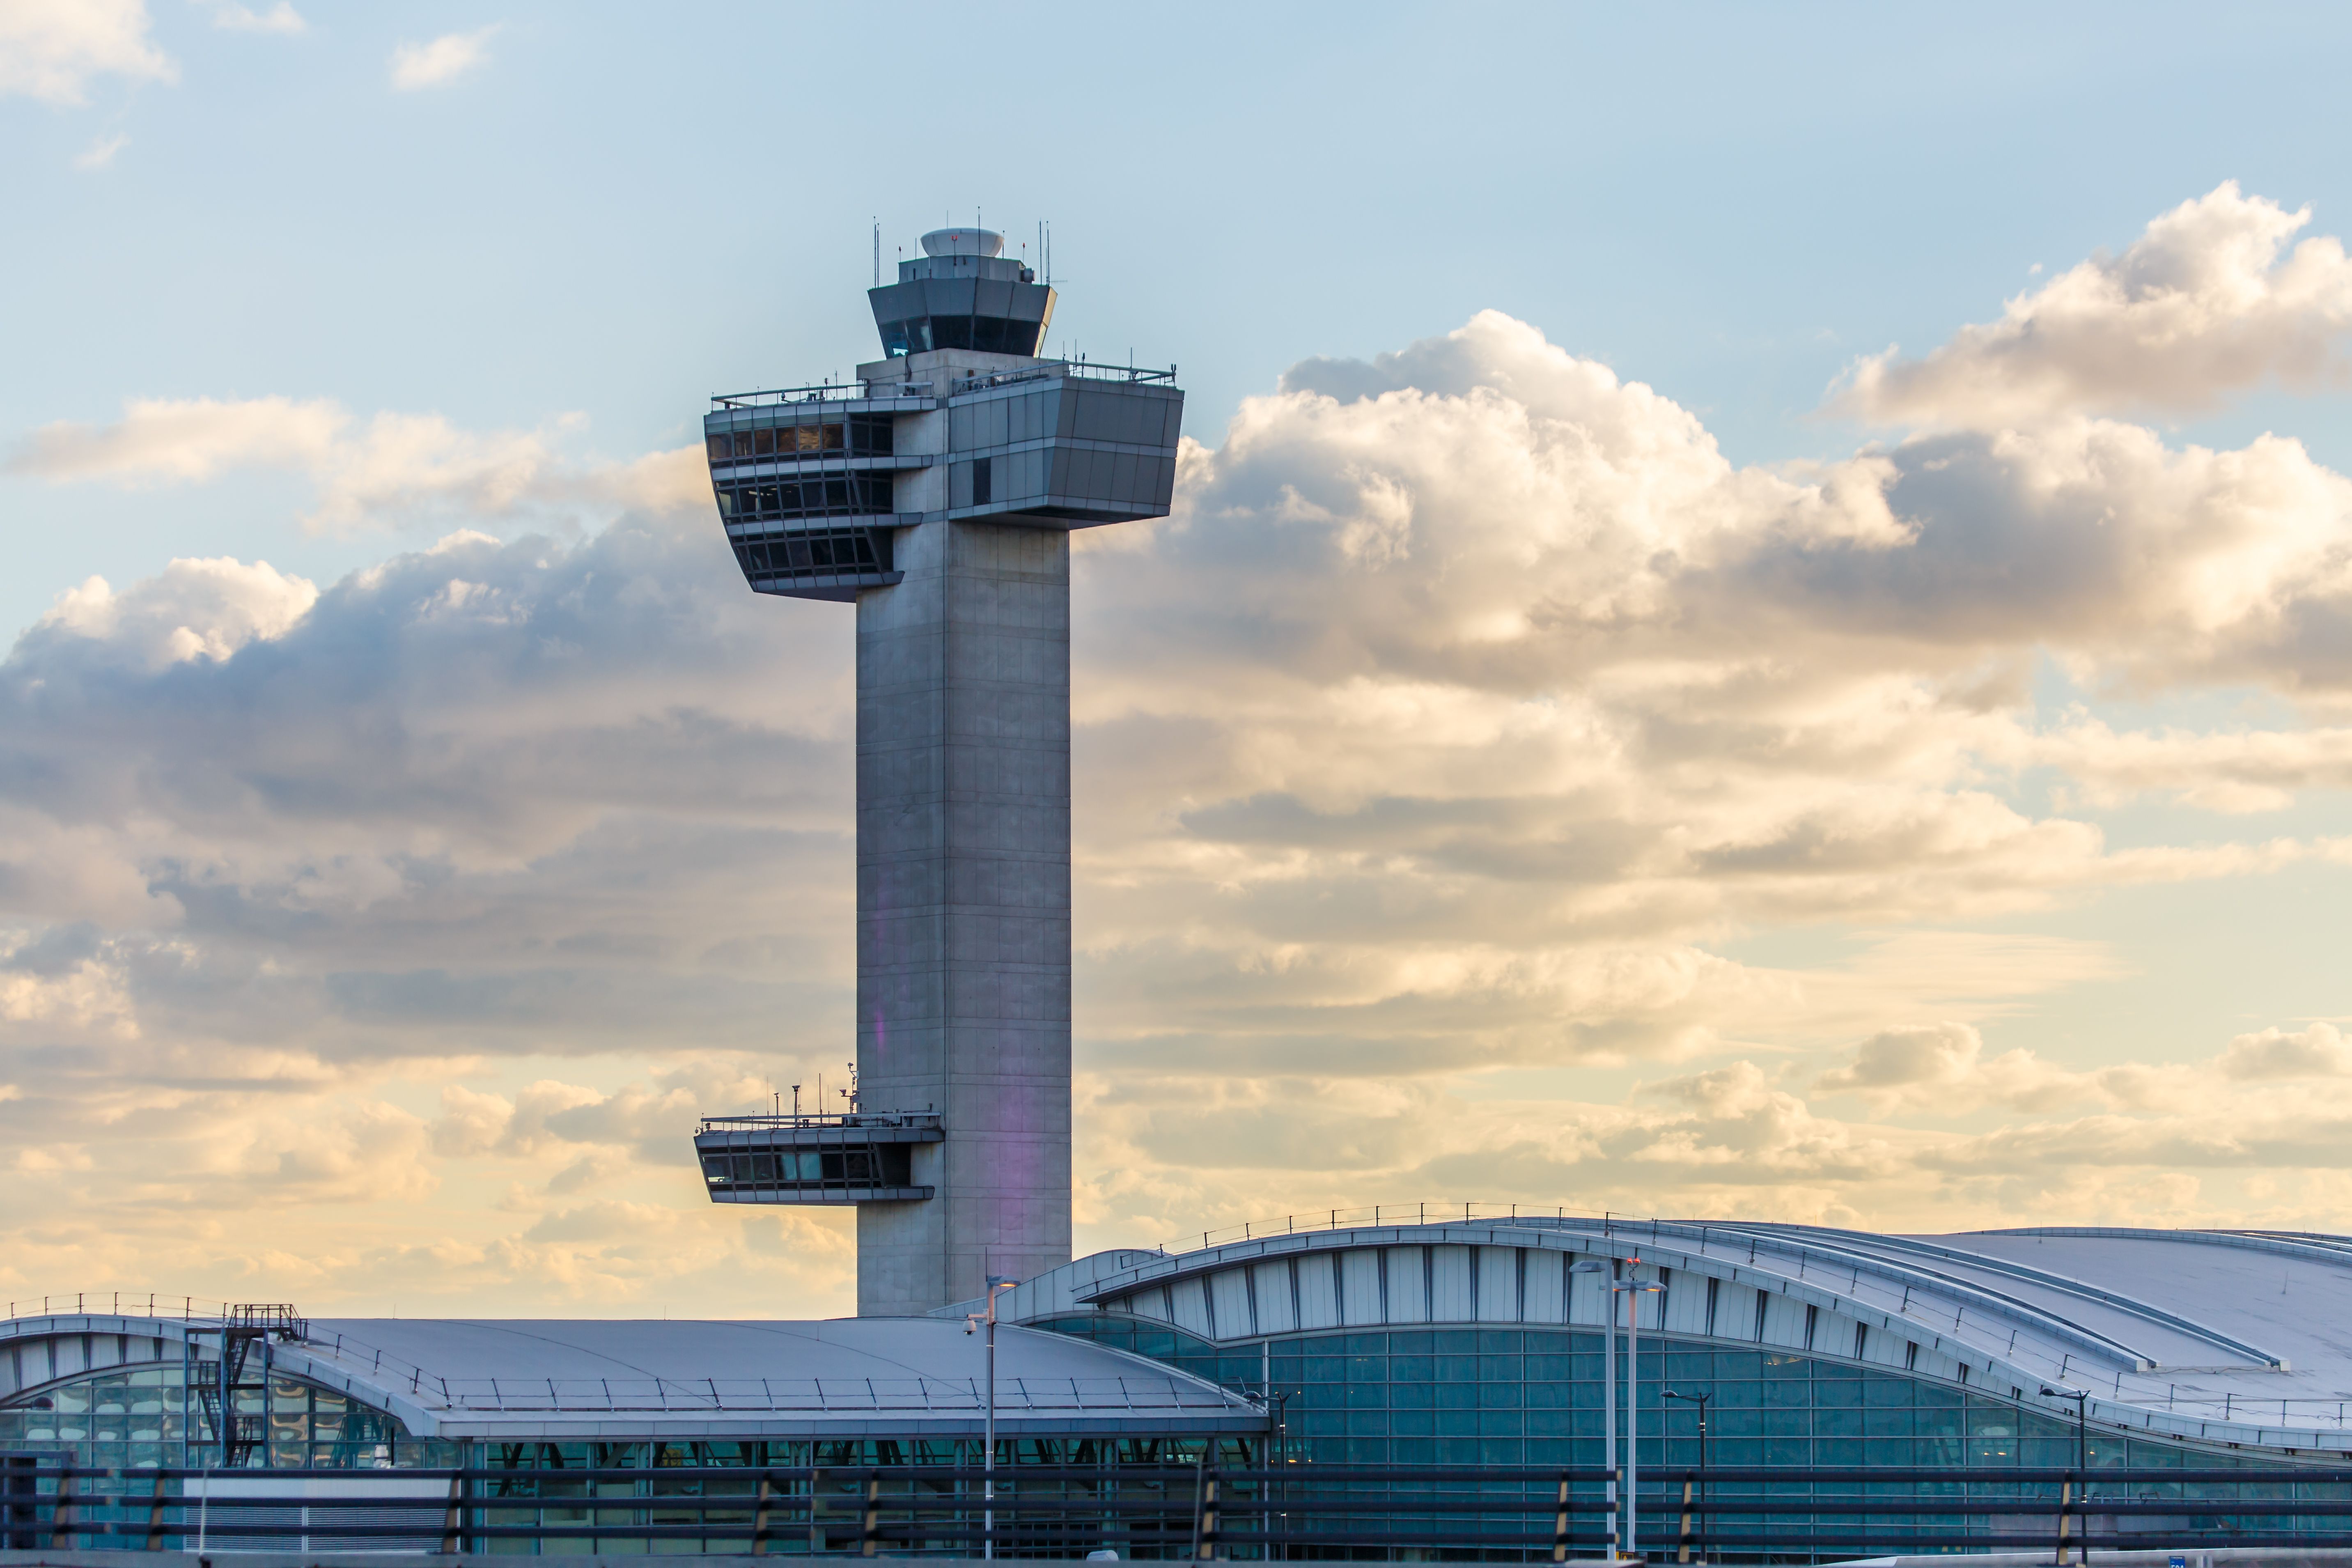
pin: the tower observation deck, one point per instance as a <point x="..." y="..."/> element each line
<point x="936" y="494"/>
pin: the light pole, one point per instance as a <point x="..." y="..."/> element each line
<point x="988" y="1458"/>
<point x="2081" y="1396"/>
<point x="1608" y="1389"/>
<point x="1700" y="1400"/>
<point x="1633" y="1289"/>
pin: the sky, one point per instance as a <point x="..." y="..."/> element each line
<point x="1757" y="620"/>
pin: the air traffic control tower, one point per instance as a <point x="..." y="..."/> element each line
<point x="938" y="495"/>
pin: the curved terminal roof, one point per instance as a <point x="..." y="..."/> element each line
<point x="2226" y="1336"/>
<point x="579" y="1380"/>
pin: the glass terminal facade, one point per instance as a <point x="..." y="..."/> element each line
<point x="1466" y="1396"/>
<point x="130" y="1418"/>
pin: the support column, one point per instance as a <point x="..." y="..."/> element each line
<point x="963" y="905"/>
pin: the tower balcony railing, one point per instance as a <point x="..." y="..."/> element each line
<point x="851" y="1121"/>
<point x="826" y="391"/>
<point x="1055" y="369"/>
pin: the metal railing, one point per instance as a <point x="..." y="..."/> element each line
<point x="1039" y="1394"/>
<point x="333" y="1350"/>
<point x="848" y="1120"/>
<point x="1055" y="369"/>
<point x="2242" y="1409"/>
<point x="1445" y="1211"/>
<point x="829" y="392"/>
<point x="1198" y="1511"/>
<point x="122" y="1304"/>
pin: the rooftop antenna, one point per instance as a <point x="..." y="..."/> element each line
<point x="877" y="253"/>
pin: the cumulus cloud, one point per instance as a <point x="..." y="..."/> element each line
<point x="2318" y="1050"/>
<point x="2227" y="771"/>
<point x="416" y="67"/>
<point x="53" y="49"/>
<point x="1469" y="706"/>
<point x="193" y="609"/>
<point x="388" y="469"/>
<point x="1944" y="1068"/>
<point x="2208" y="301"/>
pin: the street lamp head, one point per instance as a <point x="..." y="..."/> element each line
<point x="1589" y="1266"/>
<point x="1000" y="1282"/>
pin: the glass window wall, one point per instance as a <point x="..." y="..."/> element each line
<point x="1514" y="1396"/>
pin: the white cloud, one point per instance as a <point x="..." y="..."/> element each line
<point x="192" y="609"/>
<point x="2319" y="1050"/>
<point x="1428" y="758"/>
<point x="389" y="469"/>
<point x="1944" y="1068"/>
<point x="52" y="50"/>
<point x="2227" y="770"/>
<point x="445" y="59"/>
<point x="100" y="154"/>
<point x="280" y="18"/>
<point x="2201" y="305"/>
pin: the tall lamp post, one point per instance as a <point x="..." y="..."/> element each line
<point x="1608" y="1389"/>
<point x="2081" y="1396"/>
<point x="988" y="1458"/>
<point x="1700" y="1400"/>
<point x="1632" y="1290"/>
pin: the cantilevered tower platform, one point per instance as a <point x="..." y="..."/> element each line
<point x="938" y="495"/>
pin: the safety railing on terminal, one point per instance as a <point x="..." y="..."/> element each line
<point x="1199" y="1511"/>
<point x="1445" y="1211"/>
<point x="1040" y="1394"/>
<point x="203" y="1320"/>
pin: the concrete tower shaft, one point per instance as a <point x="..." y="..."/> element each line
<point x="963" y="905"/>
<point x="938" y="495"/>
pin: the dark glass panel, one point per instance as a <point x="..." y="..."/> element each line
<point x="1740" y="1421"/>
<point x="1831" y="1421"/>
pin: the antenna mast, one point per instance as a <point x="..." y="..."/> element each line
<point x="877" y="253"/>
